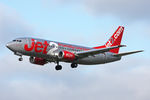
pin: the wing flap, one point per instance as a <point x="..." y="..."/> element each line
<point x="127" y="53"/>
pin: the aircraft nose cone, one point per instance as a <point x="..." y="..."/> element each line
<point x="10" y="46"/>
<point x="7" y="45"/>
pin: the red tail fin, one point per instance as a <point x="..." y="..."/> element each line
<point x="114" y="40"/>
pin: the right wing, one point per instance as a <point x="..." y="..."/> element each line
<point x="96" y="51"/>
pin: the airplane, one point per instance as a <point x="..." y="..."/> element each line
<point x="42" y="51"/>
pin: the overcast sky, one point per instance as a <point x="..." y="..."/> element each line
<point x="84" y="22"/>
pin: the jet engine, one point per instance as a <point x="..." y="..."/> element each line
<point x="66" y="55"/>
<point x="38" y="61"/>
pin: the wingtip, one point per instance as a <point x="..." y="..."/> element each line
<point x="141" y="50"/>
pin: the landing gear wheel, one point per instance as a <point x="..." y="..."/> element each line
<point x="58" y="67"/>
<point x="20" y="59"/>
<point x="74" y="65"/>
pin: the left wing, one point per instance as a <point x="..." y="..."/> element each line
<point x="96" y="51"/>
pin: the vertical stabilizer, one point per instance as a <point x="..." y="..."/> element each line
<point x="114" y="40"/>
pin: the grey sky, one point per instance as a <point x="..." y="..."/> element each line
<point x="124" y="9"/>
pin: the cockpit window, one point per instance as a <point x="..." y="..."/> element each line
<point x="17" y="40"/>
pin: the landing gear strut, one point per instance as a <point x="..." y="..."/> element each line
<point x="74" y="65"/>
<point x="19" y="54"/>
<point x="58" y="67"/>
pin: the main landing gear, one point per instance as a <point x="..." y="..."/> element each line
<point x="74" y="65"/>
<point x="20" y="59"/>
<point x="58" y="67"/>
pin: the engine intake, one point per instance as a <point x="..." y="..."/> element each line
<point x="66" y="55"/>
<point x="38" y="61"/>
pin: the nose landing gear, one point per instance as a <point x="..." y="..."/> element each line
<point x="19" y="54"/>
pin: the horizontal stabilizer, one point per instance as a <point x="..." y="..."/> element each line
<point x="127" y="53"/>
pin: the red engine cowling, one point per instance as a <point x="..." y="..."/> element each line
<point x="66" y="55"/>
<point x="38" y="61"/>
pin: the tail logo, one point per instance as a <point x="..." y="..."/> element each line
<point x="113" y="38"/>
<point x="118" y="32"/>
<point x="110" y="42"/>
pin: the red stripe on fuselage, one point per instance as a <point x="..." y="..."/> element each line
<point x="73" y="47"/>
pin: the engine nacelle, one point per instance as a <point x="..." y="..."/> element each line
<point x="66" y="55"/>
<point x="38" y="61"/>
